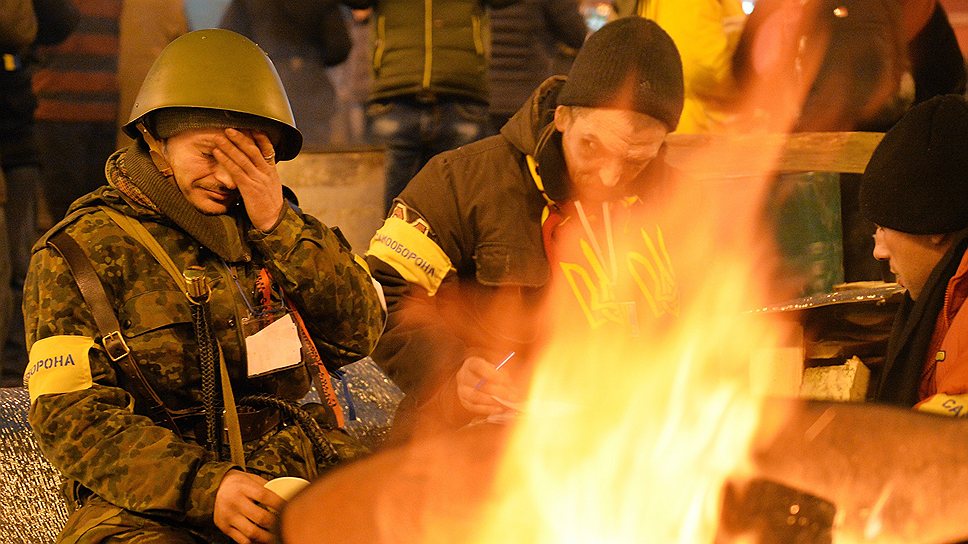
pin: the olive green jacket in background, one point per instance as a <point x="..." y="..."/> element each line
<point x="430" y="46"/>
<point x="96" y="436"/>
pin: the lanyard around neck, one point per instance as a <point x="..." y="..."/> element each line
<point x="593" y="239"/>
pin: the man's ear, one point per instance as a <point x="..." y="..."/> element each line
<point x="157" y="150"/>
<point x="562" y="117"/>
<point x="942" y="240"/>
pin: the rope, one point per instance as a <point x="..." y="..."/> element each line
<point x="207" y="356"/>
<point x="326" y="453"/>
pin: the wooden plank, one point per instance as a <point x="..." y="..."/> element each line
<point x="751" y="155"/>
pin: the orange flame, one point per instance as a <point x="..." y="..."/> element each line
<point x="630" y="438"/>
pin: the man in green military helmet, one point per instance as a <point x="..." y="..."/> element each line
<point x="179" y="315"/>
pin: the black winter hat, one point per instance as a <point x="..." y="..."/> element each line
<point x="629" y="64"/>
<point x="917" y="178"/>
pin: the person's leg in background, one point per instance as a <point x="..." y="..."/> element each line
<point x="459" y="122"/>
<point x="23" y="184"/>
<point x="6" y="307"/>
<point x="21" y="171"/>
<point x="398" y="126"/>
<point x="498" y="120"/>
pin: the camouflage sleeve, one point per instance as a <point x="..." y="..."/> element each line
<point x="335" y="294"/>
<point x="84" y="422"/>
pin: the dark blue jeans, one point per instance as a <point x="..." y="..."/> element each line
<point x="412" y="132"/>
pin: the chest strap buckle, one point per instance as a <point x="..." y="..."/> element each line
<point x="115" y="346"/>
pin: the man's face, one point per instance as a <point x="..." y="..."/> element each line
<point x="203" y="181"/>
<point x="912" y="256"/>
<point x="606" y="150"/>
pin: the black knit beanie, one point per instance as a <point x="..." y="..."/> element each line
<point x="917" y="178"/>
<point x="629" y="64"/>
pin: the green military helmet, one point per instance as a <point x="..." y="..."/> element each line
<point x="216" y="69"/>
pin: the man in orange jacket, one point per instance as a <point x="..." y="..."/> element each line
<point x="914" y="190"/>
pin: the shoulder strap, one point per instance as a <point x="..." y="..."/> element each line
<point x="138" y="231"/>
<point x="92" y="290"/>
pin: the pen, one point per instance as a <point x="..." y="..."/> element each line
<point x="498" y="367"/>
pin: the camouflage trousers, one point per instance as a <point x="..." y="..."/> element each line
<point x="286" y="452"/>
<point x="99" y="521"/>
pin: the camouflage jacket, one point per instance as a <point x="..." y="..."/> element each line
<point x="90" y="428"/>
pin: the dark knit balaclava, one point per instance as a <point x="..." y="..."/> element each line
<point x="629" y="64"/>
<point x="917" y="178"/>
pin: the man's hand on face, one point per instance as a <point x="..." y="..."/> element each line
<point x="244" y="509"/>
<point x="250" y="159"/>
<point x="479" y="382"/>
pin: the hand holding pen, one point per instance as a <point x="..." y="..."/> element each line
<point x="479" y="381"/>
<point x="498" y="367"/>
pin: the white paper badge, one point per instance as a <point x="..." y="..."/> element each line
<point x="273" y="348"/>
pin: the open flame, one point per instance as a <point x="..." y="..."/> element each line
<point x="624" y="438"/>
<point x="630" y="438"/>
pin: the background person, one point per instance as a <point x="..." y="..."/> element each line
<point x="429" y="91"/>
<point x="21" y="159"/>
<point x="913" y="189"/>
<point x="304" y="38"/>
<point x="525" y="38"/>
<point x="145" y="27"/>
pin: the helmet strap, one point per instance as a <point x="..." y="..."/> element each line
<point x="156" y="150"/>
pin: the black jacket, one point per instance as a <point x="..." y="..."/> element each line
<point x="524" y="40"/>
<point x="484" y="210"/>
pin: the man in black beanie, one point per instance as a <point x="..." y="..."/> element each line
<point x="471" y="245"/>
<point x="915" y="190"/>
